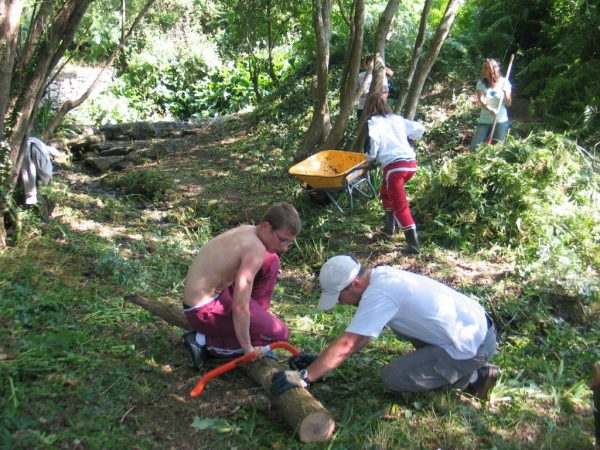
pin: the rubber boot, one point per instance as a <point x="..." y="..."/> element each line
<point x="390" y="223"/>
<point x="412" y="240"/>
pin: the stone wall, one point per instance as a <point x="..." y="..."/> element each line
<point x="72" y="82"/>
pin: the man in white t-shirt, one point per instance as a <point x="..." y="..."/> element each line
<point x="453" y="336"/>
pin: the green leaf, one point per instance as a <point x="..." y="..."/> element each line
<point x="220" y="425"/>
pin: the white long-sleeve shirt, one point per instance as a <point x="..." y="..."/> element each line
<point x="388" y="138"/>
<point x="37" y="165"/>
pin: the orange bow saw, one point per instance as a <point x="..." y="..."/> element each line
<point x="237" y="362"/>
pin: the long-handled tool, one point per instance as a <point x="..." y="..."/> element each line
<point x="489" y="141"/>
<point x="237" y="362"/>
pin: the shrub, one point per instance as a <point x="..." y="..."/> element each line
<point x="537" y="195"/>
<point x="150" y="184"/>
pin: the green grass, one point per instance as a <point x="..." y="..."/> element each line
<point x="82" y="368"/>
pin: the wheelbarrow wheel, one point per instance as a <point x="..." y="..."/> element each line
<point x="318" y="197"/>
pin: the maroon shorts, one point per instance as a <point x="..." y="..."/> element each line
<point x="215" y="320"/>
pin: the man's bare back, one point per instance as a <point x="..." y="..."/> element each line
<point x="217" y="264"/>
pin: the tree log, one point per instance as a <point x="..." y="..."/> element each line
<point x="298" y="408"/>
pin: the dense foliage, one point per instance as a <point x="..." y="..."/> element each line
<point x="538" y="195"/>
<point x="557" y="43"/>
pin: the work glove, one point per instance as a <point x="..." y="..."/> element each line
<point x="301" y="361"/>
<point x="288" y="379"/>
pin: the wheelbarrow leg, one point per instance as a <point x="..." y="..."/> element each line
<point x="350" y="189"/>
<point x="334" y="201"/>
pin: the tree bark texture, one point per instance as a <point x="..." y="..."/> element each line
<point x="350" y="77"/>
<point x="300" y="410"/>
<point x="320" y="125"/>
<point x="10" y="15"/>
<point x="426" y="62"/>
<point x="418" y="48"/>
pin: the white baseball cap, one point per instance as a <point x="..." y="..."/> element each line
<point x="336" y="274"/>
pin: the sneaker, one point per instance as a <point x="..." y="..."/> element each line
<point x="486" y="380"/>
<point x="198" y="353"/>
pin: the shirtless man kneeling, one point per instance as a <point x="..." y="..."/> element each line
<point x="229" y="286"/>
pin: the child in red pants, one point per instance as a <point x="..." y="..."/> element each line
<point x="387" y="140"/>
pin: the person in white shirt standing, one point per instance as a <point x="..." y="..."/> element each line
<point x="491" y="89"/>
<point x="387" y="140"/>
<point x="453" y="335"/>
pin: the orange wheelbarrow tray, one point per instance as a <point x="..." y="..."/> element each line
<point x="333" y="172"/>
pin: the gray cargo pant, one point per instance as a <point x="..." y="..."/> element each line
<point x="431" y="367"/>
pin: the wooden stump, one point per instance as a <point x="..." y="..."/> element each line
<point x="298" y="408"/>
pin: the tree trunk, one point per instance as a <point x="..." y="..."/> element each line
<point x="320" y="125"/>
<point x="38" y="23"/>
<point x="383" y="28"/>
<point x="270" y="44"/>
<point x="415" y="57"/>
<point x="47" y="56"/>
<point x="426" y="62"/>
<point x="351" y="77"/>
<point x="72" y="104"/>
<point x="596" y="393"/>
<point x="23" y="88"/>
<point x="298" y="408"/>
<point x="351" y="41"/>
<point x="10" y="15"/>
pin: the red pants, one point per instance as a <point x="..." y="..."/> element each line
<point x="392" y="193"/>
<point x="215" y="320"/>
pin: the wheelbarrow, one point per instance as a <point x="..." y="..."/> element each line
<point x="333" y="172"/>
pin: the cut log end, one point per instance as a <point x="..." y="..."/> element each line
<point x="316" y="427"/>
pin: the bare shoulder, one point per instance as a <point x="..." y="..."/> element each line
<point x="241" y="239"/>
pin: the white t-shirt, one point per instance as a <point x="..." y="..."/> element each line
<point x="492" y="97"/>
<point x="419" y="307"/>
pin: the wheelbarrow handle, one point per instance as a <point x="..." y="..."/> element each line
<point x="366" y="166"/>
<point x="251" y="356"/>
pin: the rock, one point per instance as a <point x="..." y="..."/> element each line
<point x="144" y="130"/>
<point x="123" y="165"/>
<point x="145" y="154"/>
<point x="101" y="146"/>
<point x="102" y="163"/>
<point x="117" y="151"/>
<point x="83" y="144"/>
